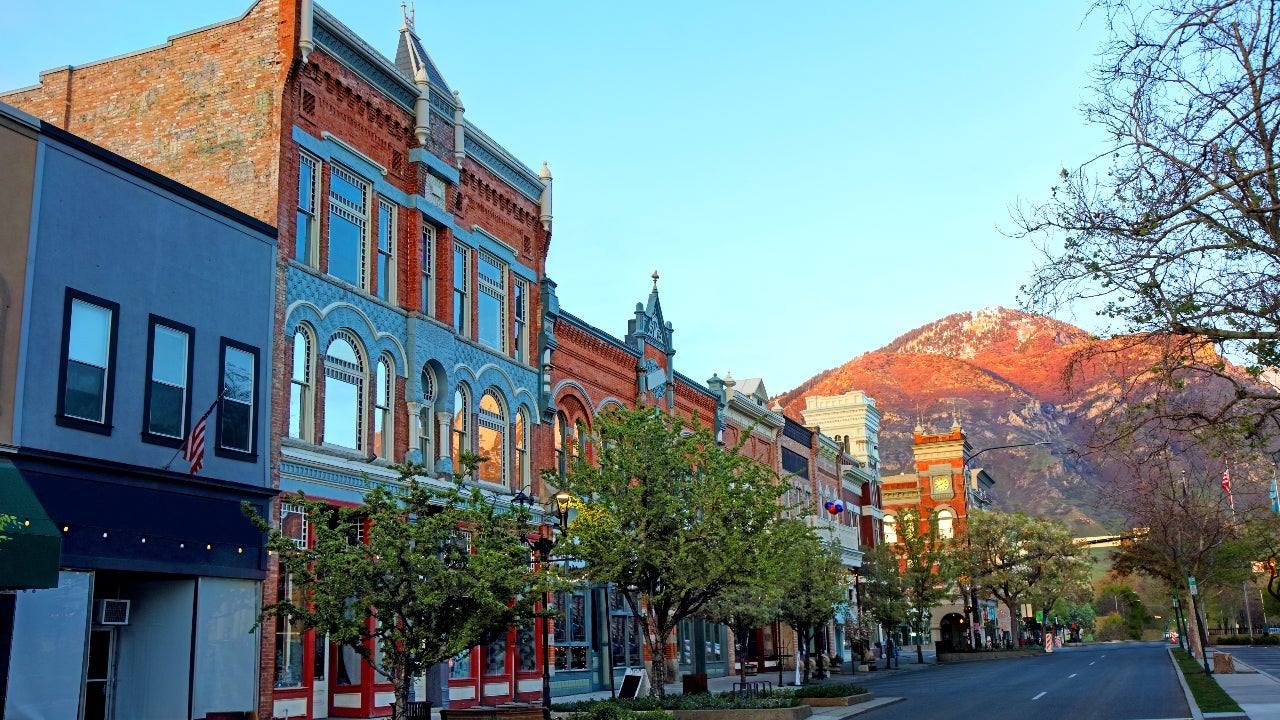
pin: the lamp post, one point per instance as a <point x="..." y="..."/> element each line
<point x="971" y="494"/>
<point x="543" y="546"/>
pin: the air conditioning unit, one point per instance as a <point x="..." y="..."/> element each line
<point x="113" y="612"/>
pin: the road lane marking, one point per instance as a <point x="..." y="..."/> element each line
<point x="1071" y="676"/>
<point x="1040" y="695"/>
<point x="1093" y="661"/>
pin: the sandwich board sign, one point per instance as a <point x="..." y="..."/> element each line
<point x="632" y="683"/>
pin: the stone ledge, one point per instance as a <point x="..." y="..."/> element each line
<point x="800" y="712"/>
<point x="838" y="701"/>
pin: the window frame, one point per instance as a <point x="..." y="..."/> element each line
<point x="461" y="435"/>
<point x="520" y="446"/>
<point x="361" y="373"/>
<point x="428" y="301"/>
<point x="520" y="320"/>
<point x="360" y="217"/>
<point x="311" y="249"/>
<point x="250" y="455"/>
<point x="427" y="417"/>
<point x="494" y="289"/>
<point x="385" y="268"/>
<point x="103" y="425"/>
<point x="154" y="321"/>
<point x="307" y="386"/>
<point x="494" y="422"/>
<point x="384" y="398"/>
<point x="462" y="320"/>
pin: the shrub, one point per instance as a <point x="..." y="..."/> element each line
<point x="828" y="691"/>
<point x="647" y="708"/>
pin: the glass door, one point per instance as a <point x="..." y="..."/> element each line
<point x="99" y="679"/>
<point x="320" y="677"/>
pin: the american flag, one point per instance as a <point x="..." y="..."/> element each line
<point x="193" y="447"/>
<point x="1226" y="486"/>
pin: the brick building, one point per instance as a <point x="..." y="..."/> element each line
<point x="410" y="263"/>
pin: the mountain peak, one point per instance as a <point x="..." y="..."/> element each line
<point x="991" y="331"/>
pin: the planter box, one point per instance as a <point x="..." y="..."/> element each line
<point x="517" y="712"/>
<point x="839" y="701"/>
<point x="800" y="712"/>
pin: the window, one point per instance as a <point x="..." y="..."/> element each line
<point x="168" y="394"/>
<point x="236" y="417"/>
<point x="88" y="362"/>
<point x="308" y="228"/>
<point x="520" y="320"/>
<point x="461" y="282"/>
<point x="428" y="271"/>
<point x="383" y="433"/>
<point x="289" y="635"/>
<point x="300" y="384"/>
<point x="521" y="464"/>
<point x="561" y="442"/>
<point x="348" y="226"/>
<point x="343" y="394"/>
<point x="890" y="529"/>
<point x="626" y="635"/>
<point x="427" y="418"/>
<point x="386" y="244"/>
<point x="460" y="665"/>
<point x="490" y="323"/>
<point x="293" y="523"/>
<point x="491" y="431"/>
<point x="946" y="523"/>
<point x="461" y="426"/>
<point x="570" y="630"/>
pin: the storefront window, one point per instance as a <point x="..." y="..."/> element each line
<point x="460" y="665"/>
<point x="288" y="672"/>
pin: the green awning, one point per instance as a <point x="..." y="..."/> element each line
<point x="32" y="550"/>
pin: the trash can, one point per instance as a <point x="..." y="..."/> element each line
<point x="418" y="710"/>
<point x="695" y="683"/>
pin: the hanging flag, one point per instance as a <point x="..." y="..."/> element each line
<point x="193" y="446"/>
<point x="1226" y="486"/>
<point x="1275" y="495"/>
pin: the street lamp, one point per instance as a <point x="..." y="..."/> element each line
<point x="543" y="546"/>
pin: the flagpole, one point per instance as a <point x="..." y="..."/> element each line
<point x="205" y="416"/>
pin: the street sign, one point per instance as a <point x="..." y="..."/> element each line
<point x="1191" y="581"/>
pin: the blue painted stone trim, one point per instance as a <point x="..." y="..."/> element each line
<point x="437" y="166"/>
<point x="442" y="103"/>
<point x="695" y="385"/>
<point x="503" y="169"/>
<point x="480" y="239"/>
<point x="332" y="152"/>
<point x="435" y="215"/>
<point x="316" y="483"/>
<point x="329" y="307"/>
<point x="327" y="31"/>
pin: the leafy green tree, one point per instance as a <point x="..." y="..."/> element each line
<point x="1121" y="600"/>
<point x="812" y="587"/>
<point x="883" y="596"/>
<point x="1018" y="560"/>
<point x="439" y="567"/>
<point x="664" y="509"/>
<point x="1175" y="230"/>
<point x="927" y="573"/>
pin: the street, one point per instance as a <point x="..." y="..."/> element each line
<point x="1111" y="681"/>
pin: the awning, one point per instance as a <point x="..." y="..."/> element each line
<point x="30" y="555"/>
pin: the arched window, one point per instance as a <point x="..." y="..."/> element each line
<point x="491" y="434"/>
<point x="580" y="439"/>
<point x="890" y="529"/>
<point x="461" y="425"/>
<point x="344" y="382"/>
<point x="521" y="436"/>
<point x="946" y="523"/>
<point x="427" y="418"/>
<point x="561" y="442"/>
<point x="300" y="384"/>
<point x="383" y="430"/>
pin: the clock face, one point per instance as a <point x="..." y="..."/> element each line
<point x="941" y="484"/>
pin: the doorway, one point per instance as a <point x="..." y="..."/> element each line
<point x="100" y="674"/>
<point x="320" y="677"/>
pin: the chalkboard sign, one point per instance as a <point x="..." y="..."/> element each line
<point x="631" y="683"/>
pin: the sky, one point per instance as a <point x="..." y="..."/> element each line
<point x="810" y="179"/>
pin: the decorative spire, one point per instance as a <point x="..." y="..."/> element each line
<point x="655" y="280"/>
<point x="728" y="379"/>
<point x="544" y="200"/>
<point x="459" y="131"/>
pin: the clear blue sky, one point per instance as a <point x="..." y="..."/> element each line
<point x="811" y="179"/>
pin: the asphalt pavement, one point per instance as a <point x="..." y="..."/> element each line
<point x="1255" y="685"/>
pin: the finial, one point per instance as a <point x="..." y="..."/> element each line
<point x="777" y="406"/>
<point x="655" y="280"/>
<point x="728" y="379"/>
<point x="545" y="172"/>
<point x="406" y="22"/>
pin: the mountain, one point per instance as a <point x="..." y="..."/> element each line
<point x="999" y="371"/>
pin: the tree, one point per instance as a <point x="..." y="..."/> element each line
<point x="662" y="508"/>
<point x="883" y="597"/>
<point x="1175" y="230"/>
<point x="1019" y="559"/>
<point x="439" y="568"/>
<point x="812" y="587"/>
<point x="1121" y="600"/>
<point x="925" y="562"/>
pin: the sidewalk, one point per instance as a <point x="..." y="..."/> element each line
<point x="906" y="664"/>
<point x="1256" y="692"/>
